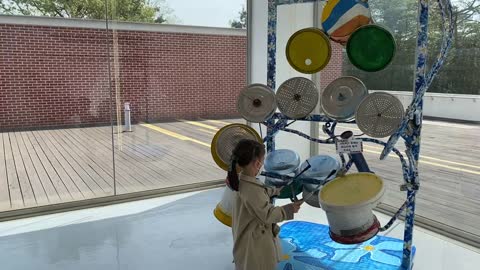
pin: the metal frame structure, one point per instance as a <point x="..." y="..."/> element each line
<point x="410" y="129"/>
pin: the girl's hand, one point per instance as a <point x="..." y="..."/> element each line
<point x="297" y="205"/>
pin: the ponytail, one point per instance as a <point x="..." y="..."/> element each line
<point x="245" y="152"/>
<point x="232" y="176"/>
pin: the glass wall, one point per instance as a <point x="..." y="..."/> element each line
<point x="114" y="97"/>
<point x="55" y="128"/>
<point x="449" y="193"/>
<point x="180" y="83"/>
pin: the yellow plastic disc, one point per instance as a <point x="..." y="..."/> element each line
<point x="351" y="189"/>
<point x="308" y="50"/>
<point x="226" y="139"/>
<point x="222" y="217"/>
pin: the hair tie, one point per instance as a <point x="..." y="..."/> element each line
<point x="233" y="164"/>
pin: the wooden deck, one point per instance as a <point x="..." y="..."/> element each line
<point x="53" y="166"/>
<point x="449" y="174"/>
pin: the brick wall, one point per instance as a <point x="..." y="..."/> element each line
<point x="334" y="68"/>
<point x="52" y="76"/>
<point x="169" y="75"/>
<point x="58" y="76"/>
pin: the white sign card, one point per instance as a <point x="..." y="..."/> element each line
<point x="349" y="146"/>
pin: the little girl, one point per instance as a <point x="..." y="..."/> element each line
<point x="254" y="218"/>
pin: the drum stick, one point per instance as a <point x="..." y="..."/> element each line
<point x="294" y="197"/>
<point x="298" y="175"/>
<point x="318" y="187"/>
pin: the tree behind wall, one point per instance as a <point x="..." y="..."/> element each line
<point x="121" y="10"/>
<point x="459" y="73"/>
<point x="241" y="21"/>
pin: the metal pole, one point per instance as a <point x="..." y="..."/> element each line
<point x="414" y="145"/>
<point x="271" y="61"/>
<point x="314" y="126"/>
<point x="110" y="89"/>
<point x="128" y="122"/>
<point x="249" y="40"/>
<point x="250" y="47"/>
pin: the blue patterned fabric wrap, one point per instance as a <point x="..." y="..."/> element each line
<point x="423" y="82"/>
<point x="272" y="44"/>
<point x="398" y="213"/>
<point x="413" y="143"/>
<point x="311" y="118"/>
<point x="405" y="167"/>
<point x="271" y="63"/>
<point x="309" y="246"/>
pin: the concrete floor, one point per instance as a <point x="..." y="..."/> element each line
<point x="174" y="232"/>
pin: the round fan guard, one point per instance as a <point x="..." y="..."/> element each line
<point x="226" y="139"/>
<point x="379" y="114"/>
<point x="297" y="97"/>
<point x="256" y="103"/>
<point x="341" y="98"/>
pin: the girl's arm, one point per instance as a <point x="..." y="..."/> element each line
<point x="258" y="204"/>
<point x="271" y="191"/>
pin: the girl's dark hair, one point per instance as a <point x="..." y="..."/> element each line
<point x="245" y="152"/>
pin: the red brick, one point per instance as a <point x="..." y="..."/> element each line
<point x="51" y="76"/>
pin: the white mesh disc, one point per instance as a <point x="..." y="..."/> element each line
<point x="256" y="103"/>
<point x="341" y="97"/>
<point x="379" y="114"/>
<point x="297" y="97"/>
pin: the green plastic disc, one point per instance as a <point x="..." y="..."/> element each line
<point x="286" y="192"/>
<point x="371" y="48"/>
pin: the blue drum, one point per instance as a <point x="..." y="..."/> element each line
<point x="321" y="167"/>
<point x="283" y="162"/>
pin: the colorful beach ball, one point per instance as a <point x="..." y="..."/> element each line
<point x="340" y="18"/>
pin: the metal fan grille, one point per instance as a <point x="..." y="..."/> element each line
<point x="256" y="103"/>
<point x="297" y="97"/>
<point x="341" y="98"/>
<point x="229" y="138"/>
<point x="379" y="114"/>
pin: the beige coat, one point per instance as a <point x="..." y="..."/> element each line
<point x="255" y="233"/>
